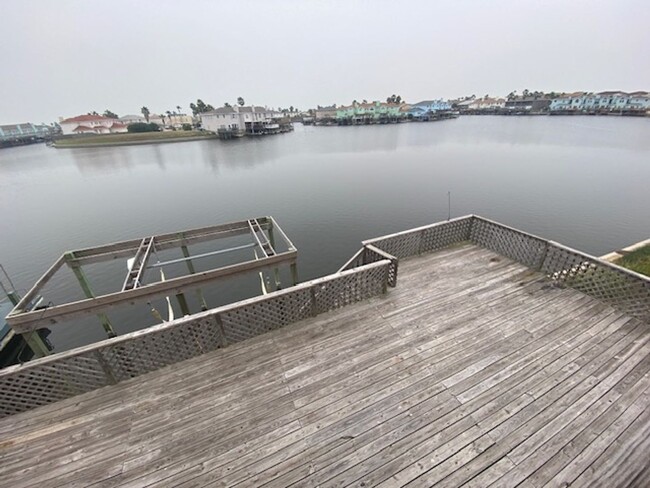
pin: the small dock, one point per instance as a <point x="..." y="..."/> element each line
<point x="474" y="355"/>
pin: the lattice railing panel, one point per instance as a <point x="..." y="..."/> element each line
<point x="425" y="239"/>
<point x="351" y="288"/>
<point x="625" y="291"/>
<point x="67" y="374"/>
<point x="444" y="235"/>
<point x="511" y="243"/>
<point x="31" y="386"/>
<point x="370" y="255"/>
<point x="163" y="347"/>
<point x="257" y="318"/>
<point x="400" y="246"/>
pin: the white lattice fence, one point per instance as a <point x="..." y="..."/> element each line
<point x="424" y="239"/>
<point x="248" y="321"/>
<point x="625" y="290"/>
<point x="511" y="243"/>
<point x="67" y="374"/>
<point x="372" y="254"/>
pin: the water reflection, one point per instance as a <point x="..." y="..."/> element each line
<point x="578" y="180"/>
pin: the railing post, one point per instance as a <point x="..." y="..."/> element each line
<point x="420" y="244"/>
<point x="384" y="286"/>
<point x="108" y="371"/>
<point x="314" y="303"/>
<point x="543" y="257"/>
<point x="472" y="219"/>
<point x="220" y="331"/>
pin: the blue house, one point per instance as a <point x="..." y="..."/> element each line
<point x="423" y="110"/>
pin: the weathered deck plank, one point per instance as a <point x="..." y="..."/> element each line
<point x="473" y="371"/>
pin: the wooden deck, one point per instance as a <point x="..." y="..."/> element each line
<point x="474" y="371"/>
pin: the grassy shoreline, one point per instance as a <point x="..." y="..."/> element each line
<point x="637" y="260"/>
<point x="134" y="138"/>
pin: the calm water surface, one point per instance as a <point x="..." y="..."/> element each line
<point x="582" y="181"/>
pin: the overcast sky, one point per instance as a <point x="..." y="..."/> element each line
<point x="64" y="58"/>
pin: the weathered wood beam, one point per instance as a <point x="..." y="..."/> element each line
<point x="165" y="241"/>
<point x="28" y="321"/>
<point x="282" y="234"/>
<point x="85" y="286"/>
<point x="29" y="296"/>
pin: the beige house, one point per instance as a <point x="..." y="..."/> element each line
<point x="487" y="103"/>
<point x="326" y="113"/>
<point x="174" y="120"/>
<point x="91" y="124"/>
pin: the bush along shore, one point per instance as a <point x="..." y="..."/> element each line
<point x="131" y="138"/>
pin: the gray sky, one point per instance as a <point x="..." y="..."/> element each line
<point x="64" y="58"/>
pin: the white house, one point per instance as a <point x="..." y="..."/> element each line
<point x="132" y="119"/>
<point x="603" y="102"/>
<point x="91" y="124"/>
<point x="241" y="119"/>
<point x="487" y="103"/>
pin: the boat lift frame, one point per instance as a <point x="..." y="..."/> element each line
<point x="262" y="230"/>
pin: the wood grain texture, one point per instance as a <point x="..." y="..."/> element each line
<point x="474" y="371"/>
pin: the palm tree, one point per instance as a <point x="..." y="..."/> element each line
<point x="145" y="113"/>
<point x="240" y="101"/>
<point x="178" y="107"/>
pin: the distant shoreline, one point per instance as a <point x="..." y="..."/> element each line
<point x="130" y="139"/>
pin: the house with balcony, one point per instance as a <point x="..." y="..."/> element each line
<point x="369" y="113"/>
<point x="602" y="102"/>
<point x="241" y="120"/>
<point x="428" y="109"/>
<point x="91" y="124"/>
<point x="325" y="115"/>
<point x="528" y="104"/>
<point x="487" y="104"/>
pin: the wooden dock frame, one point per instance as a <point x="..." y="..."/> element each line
<point x="25" y="322"/>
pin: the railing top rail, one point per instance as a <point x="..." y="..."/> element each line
<point x="410" y="231"/>
<point x="192" y="318"/>
<point x="380" y="252"/>
<point x="351" y="260"/>
<point x="602" y="262"/>
<point x="519" y="231"/>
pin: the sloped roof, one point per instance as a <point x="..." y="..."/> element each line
<point x="85" y="118"/>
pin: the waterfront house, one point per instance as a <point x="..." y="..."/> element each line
<point x="23" y="132"/>
<point x="91" y="124"/>
<point x="132" y="119"/>
<point x="369" y="113"/>
<point x="487" y="103"/>
<point x="325" y="114"/>
<point x="528" y="104"/>
<point x="170" y="121"/>
<point x="606" y="101"/>
<point x="250" y="119"/>
<point x="462" y="106"/>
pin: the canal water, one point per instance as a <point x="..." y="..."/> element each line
<point x="582" y="181"/>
